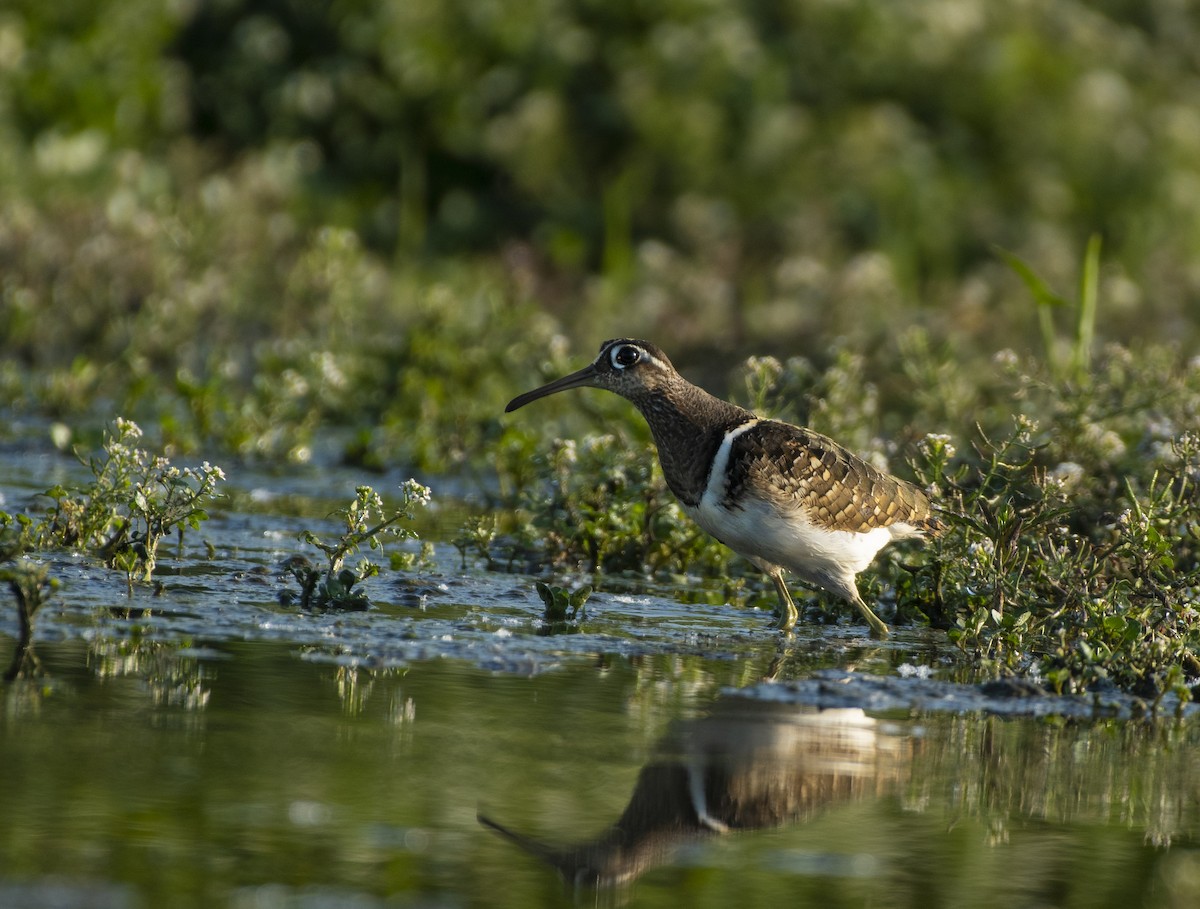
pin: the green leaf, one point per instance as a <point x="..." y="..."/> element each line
<point x="1115" y="624"/>
<point x="1042" y="294"/>
<point x="1089" y="284"/>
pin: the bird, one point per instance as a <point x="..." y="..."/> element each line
<point x="785" y="497"/>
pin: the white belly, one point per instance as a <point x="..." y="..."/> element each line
<point x="762" y="533"/>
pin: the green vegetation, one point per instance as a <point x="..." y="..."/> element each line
<point x="349" y="232"/>
<point x="135" y="500"/>
<point x="564" y="608"/>
<point x="366" y="522"/>
<point x="607" y="509"/>
<point x="1037" y="573"/>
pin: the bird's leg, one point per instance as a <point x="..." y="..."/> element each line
<point x="787" y="609"/>
<point x="878" y="628"/>
<point x="783" y="654"/>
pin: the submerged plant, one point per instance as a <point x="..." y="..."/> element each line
<point x="134" y="500"/>
<point x="366" y="521"/>
<point x="563" y="608"/>
<point x="475" y="538"/>
<point x="29" y="583"/>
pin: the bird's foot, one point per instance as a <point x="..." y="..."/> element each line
<point x="786" y="620"/>
<point x="879" y="630"/>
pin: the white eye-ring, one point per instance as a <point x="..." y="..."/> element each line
<point x="624" y="356"/>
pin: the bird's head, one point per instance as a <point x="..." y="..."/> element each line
<point x="633" y="369"/>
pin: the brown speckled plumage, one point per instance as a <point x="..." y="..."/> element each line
<point x="836" y="489"/>
<point x="783" y="496"/>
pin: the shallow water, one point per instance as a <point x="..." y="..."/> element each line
<point x="207" y="746"/>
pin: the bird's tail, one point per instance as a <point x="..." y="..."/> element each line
<point x="936" y="522"/>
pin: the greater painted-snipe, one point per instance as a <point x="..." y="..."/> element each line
<point x="783" y="496"/>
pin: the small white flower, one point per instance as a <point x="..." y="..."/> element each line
<point x="937" y="441"/>
<point x="1026" y="427"/>
<point x="601" y="442"/>
<point x="768" y="367"/>
<point x="1108" y="444"/>
<point x="1160" y="427"/>
<point x="1006" y="358"/>
<point x="415" y="492"/>
<point x="564" y="451"/>
<point x="128" y="428"/>
<point x="1067" y="474"/>
<point x="984" y="549"/>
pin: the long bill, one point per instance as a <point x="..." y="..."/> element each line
<point x="584" y="378"/>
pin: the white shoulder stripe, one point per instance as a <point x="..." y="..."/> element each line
<point x="714" y="491"/>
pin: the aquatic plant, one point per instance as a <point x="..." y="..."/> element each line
<point x="475" y="539"/>
<point x="138" y="252"/>
<point x="30" y="583"/>
<point x="564" y="609"/>
<point x="1068" y="489"/>
<point x="366" y="521"/>
<point x="134" y="500"/>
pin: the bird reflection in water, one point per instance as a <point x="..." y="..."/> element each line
<point x="748" y="765"/>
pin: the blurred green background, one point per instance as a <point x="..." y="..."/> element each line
<point x="247" y="221"/>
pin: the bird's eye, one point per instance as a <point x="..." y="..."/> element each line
<point x="625" y="355"/>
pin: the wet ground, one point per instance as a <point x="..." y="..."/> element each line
<point x="207" y="746"/>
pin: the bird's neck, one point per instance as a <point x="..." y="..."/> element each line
<point x="688" y="425"/>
